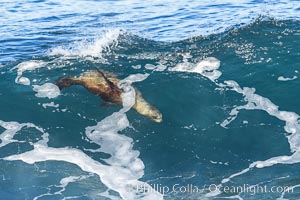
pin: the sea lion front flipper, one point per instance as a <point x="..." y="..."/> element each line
<point x="111" y="84"/>
<point x="64" y="82"/>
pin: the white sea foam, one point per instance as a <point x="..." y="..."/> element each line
<point x="67" y="180"/>
<point x="131" y="79"/>
<point x="284" y="192"/>
<point x="27" y="66"/>
<point x="63" y="184"/>
<point x="150" y="66"/>
<point x="48" y="90"/>
<point x="51" y="104"/>
<point x="116" y="178"/>
<point x="136" y="66"/>
<point x="159" y="67"/>
<point x="207" y="67"/>
<point x="245" y="122"/>
<point x="123" y="157"/>
<point x="123" y="168"/>
<point x="257" y="102"/>
<point x="85" y="48"/>
<point x="253" y="101"/>
<point x="281" y="78"/>
<point x="12" y="128"/>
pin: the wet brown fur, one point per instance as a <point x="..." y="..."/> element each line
<point x="95" y="82"/>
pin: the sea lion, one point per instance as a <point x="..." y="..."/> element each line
<point x="104" y="84"/>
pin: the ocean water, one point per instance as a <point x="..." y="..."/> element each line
<point x="224" y="75"/>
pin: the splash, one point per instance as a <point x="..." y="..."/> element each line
<point x="86" y="48"/>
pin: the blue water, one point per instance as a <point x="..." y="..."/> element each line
<point x="234" y="123"/>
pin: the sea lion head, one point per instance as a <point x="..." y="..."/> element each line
<point x="64" y="82"/>
<point x="154" y="114"/>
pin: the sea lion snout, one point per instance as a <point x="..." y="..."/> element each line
<point x="64" y="82"/>
<point x="155" y="115"/>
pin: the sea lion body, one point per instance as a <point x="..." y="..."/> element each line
<point x="104" y="84"/>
